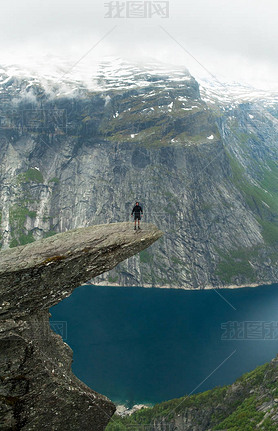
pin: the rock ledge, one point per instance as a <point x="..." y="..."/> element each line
<point x="38" y="390"/>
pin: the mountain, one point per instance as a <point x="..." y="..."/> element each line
<point x="80" y="145"/>
<point x="248" y="404"/>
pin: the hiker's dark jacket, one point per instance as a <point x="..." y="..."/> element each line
<point x="137" y="210"/>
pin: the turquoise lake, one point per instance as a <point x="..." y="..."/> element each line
<point x="138" y="345"/>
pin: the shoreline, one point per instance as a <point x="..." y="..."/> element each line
<point x="168" y="286"/>
<point x="123" y="410"/>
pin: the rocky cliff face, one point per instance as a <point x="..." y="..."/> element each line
<point x="202" y="163"/>
<point x="38" y="390"/>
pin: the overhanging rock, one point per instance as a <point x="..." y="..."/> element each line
<point x="38" y="390"/>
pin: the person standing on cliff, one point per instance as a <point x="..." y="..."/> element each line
<point x="137" y="211"/>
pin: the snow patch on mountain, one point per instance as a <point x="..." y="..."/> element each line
<point x="61" y="78"/>
<point x="232" y="94"/>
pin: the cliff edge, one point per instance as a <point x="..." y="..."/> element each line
<point x="37" y="387"/>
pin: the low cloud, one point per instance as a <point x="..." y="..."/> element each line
<point x="235" y="40"/>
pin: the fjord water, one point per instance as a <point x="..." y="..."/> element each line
<point x="138" y="345"/>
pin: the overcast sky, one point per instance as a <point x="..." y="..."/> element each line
<point x="235" y="39"/>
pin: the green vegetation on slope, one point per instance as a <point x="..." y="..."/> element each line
<point x="31" y="175"/>
<point x="233" y="408"/>
<point x="235" y="263"/>
<point x="262" y="199"/>
<point x="145" y="256"/>
<point x="155" y="125"/>
<point x="17" y="219"/>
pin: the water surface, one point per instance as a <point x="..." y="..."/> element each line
<point x="149" y="345"/>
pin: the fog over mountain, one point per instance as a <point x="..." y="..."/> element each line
<point x="234" y="40"/>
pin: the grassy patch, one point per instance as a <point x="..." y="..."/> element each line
<point x="49" y="233"/>
<point x="26" y="238"/>
<point x="145" y="256"/>
<point x="18" y="215"/>
<point x="113" y="279"/>
<point x="54" y="180"/>
<point x="155" y="125"/>
<point x="17" y="218"/>
<point x="14" y="243"/>
<point x="32" y="175"/>
<point x="232" y="266"/>
<point x="235" y="263"/>
<point x="22" y="239"/>
<point x="176" y="261"/>
<point x="269" y="232"/>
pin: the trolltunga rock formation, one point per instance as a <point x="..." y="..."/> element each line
<point x="38" y="390"/>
